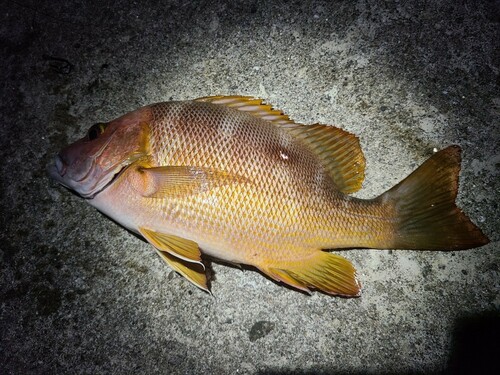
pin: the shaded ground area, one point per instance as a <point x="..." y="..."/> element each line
<point x="79" y="294"/>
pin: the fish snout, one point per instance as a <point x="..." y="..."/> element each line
<point x="57" y="169"/>
<point x="60" y="165"/>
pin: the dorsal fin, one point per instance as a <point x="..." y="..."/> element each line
<point x="253" y="106"/>
<point x="338" y="150"/>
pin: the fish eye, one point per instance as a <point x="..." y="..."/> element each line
<point x="96" y="130"/>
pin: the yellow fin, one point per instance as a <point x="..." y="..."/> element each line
<point x="327" y="272"/>
<point x="338" y="150"/>
<point x="251" y="105"/>
<point x="179" y="181"/>
<point x="177" y="246"/>
<point x="284" y="277"/>
<point x="194" y="272"/>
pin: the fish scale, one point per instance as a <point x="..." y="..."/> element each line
<point x="232" y="178"/>
<point x="216" y="152"/>
<point x="266" y="197"/>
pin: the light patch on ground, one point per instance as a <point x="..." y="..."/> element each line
<point x="490" y="166"/>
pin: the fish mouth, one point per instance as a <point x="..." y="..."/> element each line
<point x="60" y="166"/>
<point x="57" y="170"/>
<point x="88" y="175"/>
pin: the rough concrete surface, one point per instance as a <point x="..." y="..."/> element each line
<point x="79" y="294"/>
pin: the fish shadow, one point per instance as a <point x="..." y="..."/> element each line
<point x="475" y="350"/>
<point x="476" y="345"/>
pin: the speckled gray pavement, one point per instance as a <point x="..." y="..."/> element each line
<point x="81" y="295"/>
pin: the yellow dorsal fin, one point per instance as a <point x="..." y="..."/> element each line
<point x="338" y="150"/>
<point x="177" y="246"/>
<point x="251" y="105"/>
<point x="194" y="272"/>
<point x="327" y="272"/>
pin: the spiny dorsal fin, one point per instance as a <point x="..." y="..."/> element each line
<point x="338" y="150"/>
<point x="251" y="105"/>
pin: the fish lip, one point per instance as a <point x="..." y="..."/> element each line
<point x="60" y="166"/>
<point x="57" y="169"/>
<point x="54" y="169"/>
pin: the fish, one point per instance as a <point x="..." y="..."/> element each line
<point x="234" y="179"/>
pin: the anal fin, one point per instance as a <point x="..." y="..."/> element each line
<point x="327" y="272"/>
<point x="285" y="277"/>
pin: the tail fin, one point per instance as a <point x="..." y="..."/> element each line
<point x="424" y="203"/>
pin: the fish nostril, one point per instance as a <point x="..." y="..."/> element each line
<point x="61" y="168"/>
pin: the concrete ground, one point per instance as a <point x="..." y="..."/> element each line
<point x="81" y="295"/>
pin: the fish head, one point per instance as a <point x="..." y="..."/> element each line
<point x="90" y="164"/>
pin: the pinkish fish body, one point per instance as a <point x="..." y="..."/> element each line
<point x="234" y="179"/>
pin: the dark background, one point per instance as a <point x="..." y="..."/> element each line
<point x="79" y="294"/>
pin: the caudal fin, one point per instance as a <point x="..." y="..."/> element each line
<point x="424" y="204"/>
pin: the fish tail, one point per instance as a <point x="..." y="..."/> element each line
<point x="327" y="272"/>
<point x="427" y="217"/>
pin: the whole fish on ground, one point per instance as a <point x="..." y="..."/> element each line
<point x="233" y="178"/>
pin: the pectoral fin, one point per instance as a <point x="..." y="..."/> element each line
<point x="194" y="272"/>
<point x="179" y="181"/>
<point x="177" y="246"/>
